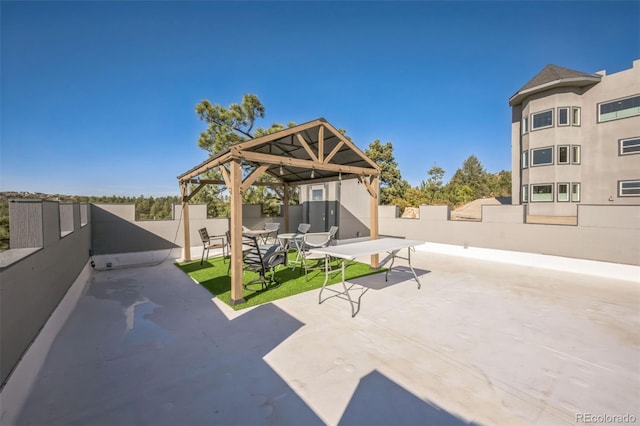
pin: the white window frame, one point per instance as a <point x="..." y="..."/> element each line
<point x="565" y="195"/>
<point x="628" y="112"/>
<point x="525" y="124"/>
<point x="575" y="116"/>
<point x="575" y="195"/>
<point x="576" y="149"/>
<point x="621" y="189"/>
<point x="635" y="146"/>
<point x="568" y="149"/>
<point x="532" y="157"/>
<point x="525" y="193"/>
<point x="525" y="159"/>
<point x="533" y="120"/>
<point x="568" y="118"/>
<point x="550" y="185"/>
<point x="314" y="188"/>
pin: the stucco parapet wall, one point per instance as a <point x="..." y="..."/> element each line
<point x="503" y="214"/>
<point x="196" y="211"/>
<point x="435" y="213"/>
<point x="624" y="217"/>
<point x="388" y="211"/>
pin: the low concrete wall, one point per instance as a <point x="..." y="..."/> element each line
<point x="603" y="233"/>
<point x="38" y="270"/>
<point x="115" y="230"/>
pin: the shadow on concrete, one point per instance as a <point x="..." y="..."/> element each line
<point x="147" y="347"/>
<point x="399" y="274"/>
<point x="504" y="200"/>
<point x="380" y="401"/>
<point x="113" y="234"/>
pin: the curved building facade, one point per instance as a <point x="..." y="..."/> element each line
<point x="576" y="140"/>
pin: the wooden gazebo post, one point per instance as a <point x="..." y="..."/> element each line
<point x="186" y="250"/>
<point x="285" y="206"/>
<point x="236" y="232"/>
<point x="374" y="196"/>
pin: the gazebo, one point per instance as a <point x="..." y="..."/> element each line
<point x="309" y="153"/>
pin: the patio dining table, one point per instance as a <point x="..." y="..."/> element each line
<point x="258" y="233"/>
<point x="391" y="246"/>
<point x="295" y="239"/>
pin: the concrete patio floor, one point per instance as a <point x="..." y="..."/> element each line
<point x="481" y="342"/>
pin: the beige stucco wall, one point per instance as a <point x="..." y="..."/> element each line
<point x="600" y="167"/>
<point x="603" y="233"/>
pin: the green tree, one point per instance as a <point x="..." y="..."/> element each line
<point x="413" y="197"/>
<point x="433" y="187"/>
<point x="392" y="186"/>
<point x="227" y="126"/>
<point x="499" y="183"/>
<point x="473" y="175"/>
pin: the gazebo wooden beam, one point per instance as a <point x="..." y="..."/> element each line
<point x="306" y="147"/>
<point x="249" y="180"/>
<point x="188" y="197"/>
<point x="345" y="176"/>
<point x="281" y="134"/>
<point x="257" y="157"/>
<point x="225" y="175"/>
<point x="333" y="152"/>
<point x="222" y="182"/>
<point x="205" y="167"/>
<point x="321" y="144"/>
<point x="351" y="145"/>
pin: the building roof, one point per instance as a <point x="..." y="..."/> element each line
<point x="553" y="76"/>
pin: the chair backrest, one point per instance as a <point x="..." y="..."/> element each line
<point x="333" y="231"/>
<point x="316" y="239"/>
<point x="303" y="228"/>
<point x="272" y="226"/>
<point x="204" y="235"/>
<point x="262" y="258"/>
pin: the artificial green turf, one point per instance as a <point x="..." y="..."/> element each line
<point x="213" y="276"/>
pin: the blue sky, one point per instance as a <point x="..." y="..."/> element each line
<point x="97" y="98"/>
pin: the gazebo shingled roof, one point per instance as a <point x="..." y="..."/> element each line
<point x="307" y="153"/>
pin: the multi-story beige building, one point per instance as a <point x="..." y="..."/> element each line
<point x="575" y="139"/>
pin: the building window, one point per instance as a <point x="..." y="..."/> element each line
<point x="525" y="159"/>
<point x="542" y="156"/>
<point x="525" y="125"/>
<point x="317" y="195"/>
<point x="575" y="154"/>
<point x="629" y="188"/>
<point x="563" y="192"/>
<point x="629" y="146"/>
<point x="542" y="120"/>
<point x="575" y="116"/>
<point x="542" y="192"/>
<point x="620" y="108"/>
<point x="525" y="193"/>
<point x="563" y="116"/>
<point x="563" y="154"/>
<point x="575" y="192"/>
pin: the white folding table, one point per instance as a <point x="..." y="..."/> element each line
<point x="391" y="246"/>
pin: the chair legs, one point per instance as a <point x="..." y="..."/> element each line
<point x="264" y="281"/>
<point x="204" y="249"/>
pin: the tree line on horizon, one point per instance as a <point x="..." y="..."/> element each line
<point x="234" y="124"/>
